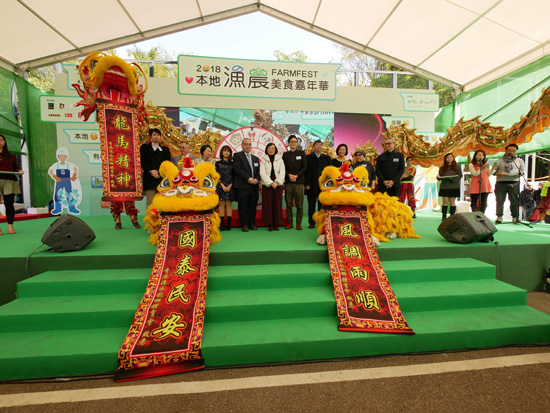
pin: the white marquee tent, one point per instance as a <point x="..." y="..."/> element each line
<point x="463" y="43"/>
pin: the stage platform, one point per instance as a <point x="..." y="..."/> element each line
<point x="270" y="297"/>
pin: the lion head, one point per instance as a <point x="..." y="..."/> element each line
<point x="342" y="187"/>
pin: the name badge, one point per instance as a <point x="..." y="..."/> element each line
<point x="255" y="163"/>
<point x="395" y="160"/>
<point x="298" y="158"/>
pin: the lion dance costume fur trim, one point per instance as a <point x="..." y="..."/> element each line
<point x="387" y="216"/>
<point x="191" y="189"/>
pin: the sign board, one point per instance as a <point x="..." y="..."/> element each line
<point x="420" y="102"/>
<point x="61" y="109"/>
<point x="88" y="136"/>
<point x="213" y="76"/>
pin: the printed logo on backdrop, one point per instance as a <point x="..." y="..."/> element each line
<point x="88" y="136"/>
<point x="291" y="117"/>
<point x="420" y="102"/>
<point x="212" y="76"/>
<point x="398" y="121"/>
<point x="61" y="109"/>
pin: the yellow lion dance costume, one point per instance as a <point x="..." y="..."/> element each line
<point x="388" y="218"/>
<point x="191" y="189"/>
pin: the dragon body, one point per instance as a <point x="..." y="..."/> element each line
<point x="469" y="135"/>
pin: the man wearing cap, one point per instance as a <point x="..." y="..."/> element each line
<point x="389" y="168"/>
<point x="316" y="162"/>
<point x="361" y="160"/>
<point x="508" y="172"/>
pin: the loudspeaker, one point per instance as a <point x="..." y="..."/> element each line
<point x="68" y="233"/>
<point x="467" y="227"/>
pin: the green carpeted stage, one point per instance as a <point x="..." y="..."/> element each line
<point x="270" y="297"/>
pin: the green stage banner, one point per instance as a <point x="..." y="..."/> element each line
<point x="213" y="76"/>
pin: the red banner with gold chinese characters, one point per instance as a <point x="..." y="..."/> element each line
<point x="365" y="300"/>
<point x="166" y="334"/>
<point x="120" y="158"/>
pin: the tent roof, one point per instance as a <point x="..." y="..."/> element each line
<point x="464" y="43"/>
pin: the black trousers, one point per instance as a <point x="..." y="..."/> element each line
<point x="10" y="210"/>
<point x="313" y="204"/>
<point x="247" y="199"/>
<point x="393" y="191"/>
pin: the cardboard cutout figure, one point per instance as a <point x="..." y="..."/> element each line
<point x="67" y="191"/>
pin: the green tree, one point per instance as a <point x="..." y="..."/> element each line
<point x="298" y="56"/>
<point x="43" y="77"/>
<point x="356" y="62"/>
<point x="354" y="67"/>
<point x="156" y="53"/>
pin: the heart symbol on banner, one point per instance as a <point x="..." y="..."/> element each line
<point x="189" y="80"/>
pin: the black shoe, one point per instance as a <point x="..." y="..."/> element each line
<point x="253" y="228"/>
<point x="118" y="225"/>
<point x="312" y="225"/>
<point x="245" y="229"/>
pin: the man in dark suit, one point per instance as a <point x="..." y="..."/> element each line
<point x="316" y="162"/>
<point x="152" y="155"/>
<point x="390" y="167"/>
<point x="246" y="176"/>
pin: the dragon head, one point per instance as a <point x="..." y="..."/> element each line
<point x="342" y="187"/>
<point x="111" y="78"/>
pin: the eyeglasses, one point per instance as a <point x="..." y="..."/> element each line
<point x="388" y="143"/>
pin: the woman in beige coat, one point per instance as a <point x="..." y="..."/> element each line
<point x="272" y="174"/>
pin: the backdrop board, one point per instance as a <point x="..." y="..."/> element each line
<point x="81" y="139"/>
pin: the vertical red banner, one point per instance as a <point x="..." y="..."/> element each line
<point x="365" y="300"/>
<point x="120" y="157"/>
<point x="166" y="334"/>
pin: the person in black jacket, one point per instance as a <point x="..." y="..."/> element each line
<point x="316" y="162"/>
<point x="527" y="201"/>
<point x="295" y="170"/>
<point x="152" y="155"/>
<point x="246" y="178"/>
<point x="389" y="169"/>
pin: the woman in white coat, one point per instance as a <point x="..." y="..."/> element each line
<point x="272" y="174"/>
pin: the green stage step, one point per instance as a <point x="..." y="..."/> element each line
<point x="73" y="322"/>
<point x="224" y="344"/>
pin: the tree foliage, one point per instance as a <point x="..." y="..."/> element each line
<point x="43" y="77"/>
<point x="156" y="53"/>
<point x="298" y="56"/>
<point x="358" y="63"/>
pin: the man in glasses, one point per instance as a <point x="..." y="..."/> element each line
<point x="246" y="176"/>
<point x="390" y="166"/>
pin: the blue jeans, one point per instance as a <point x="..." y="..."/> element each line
<point x="528" y="209"/>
